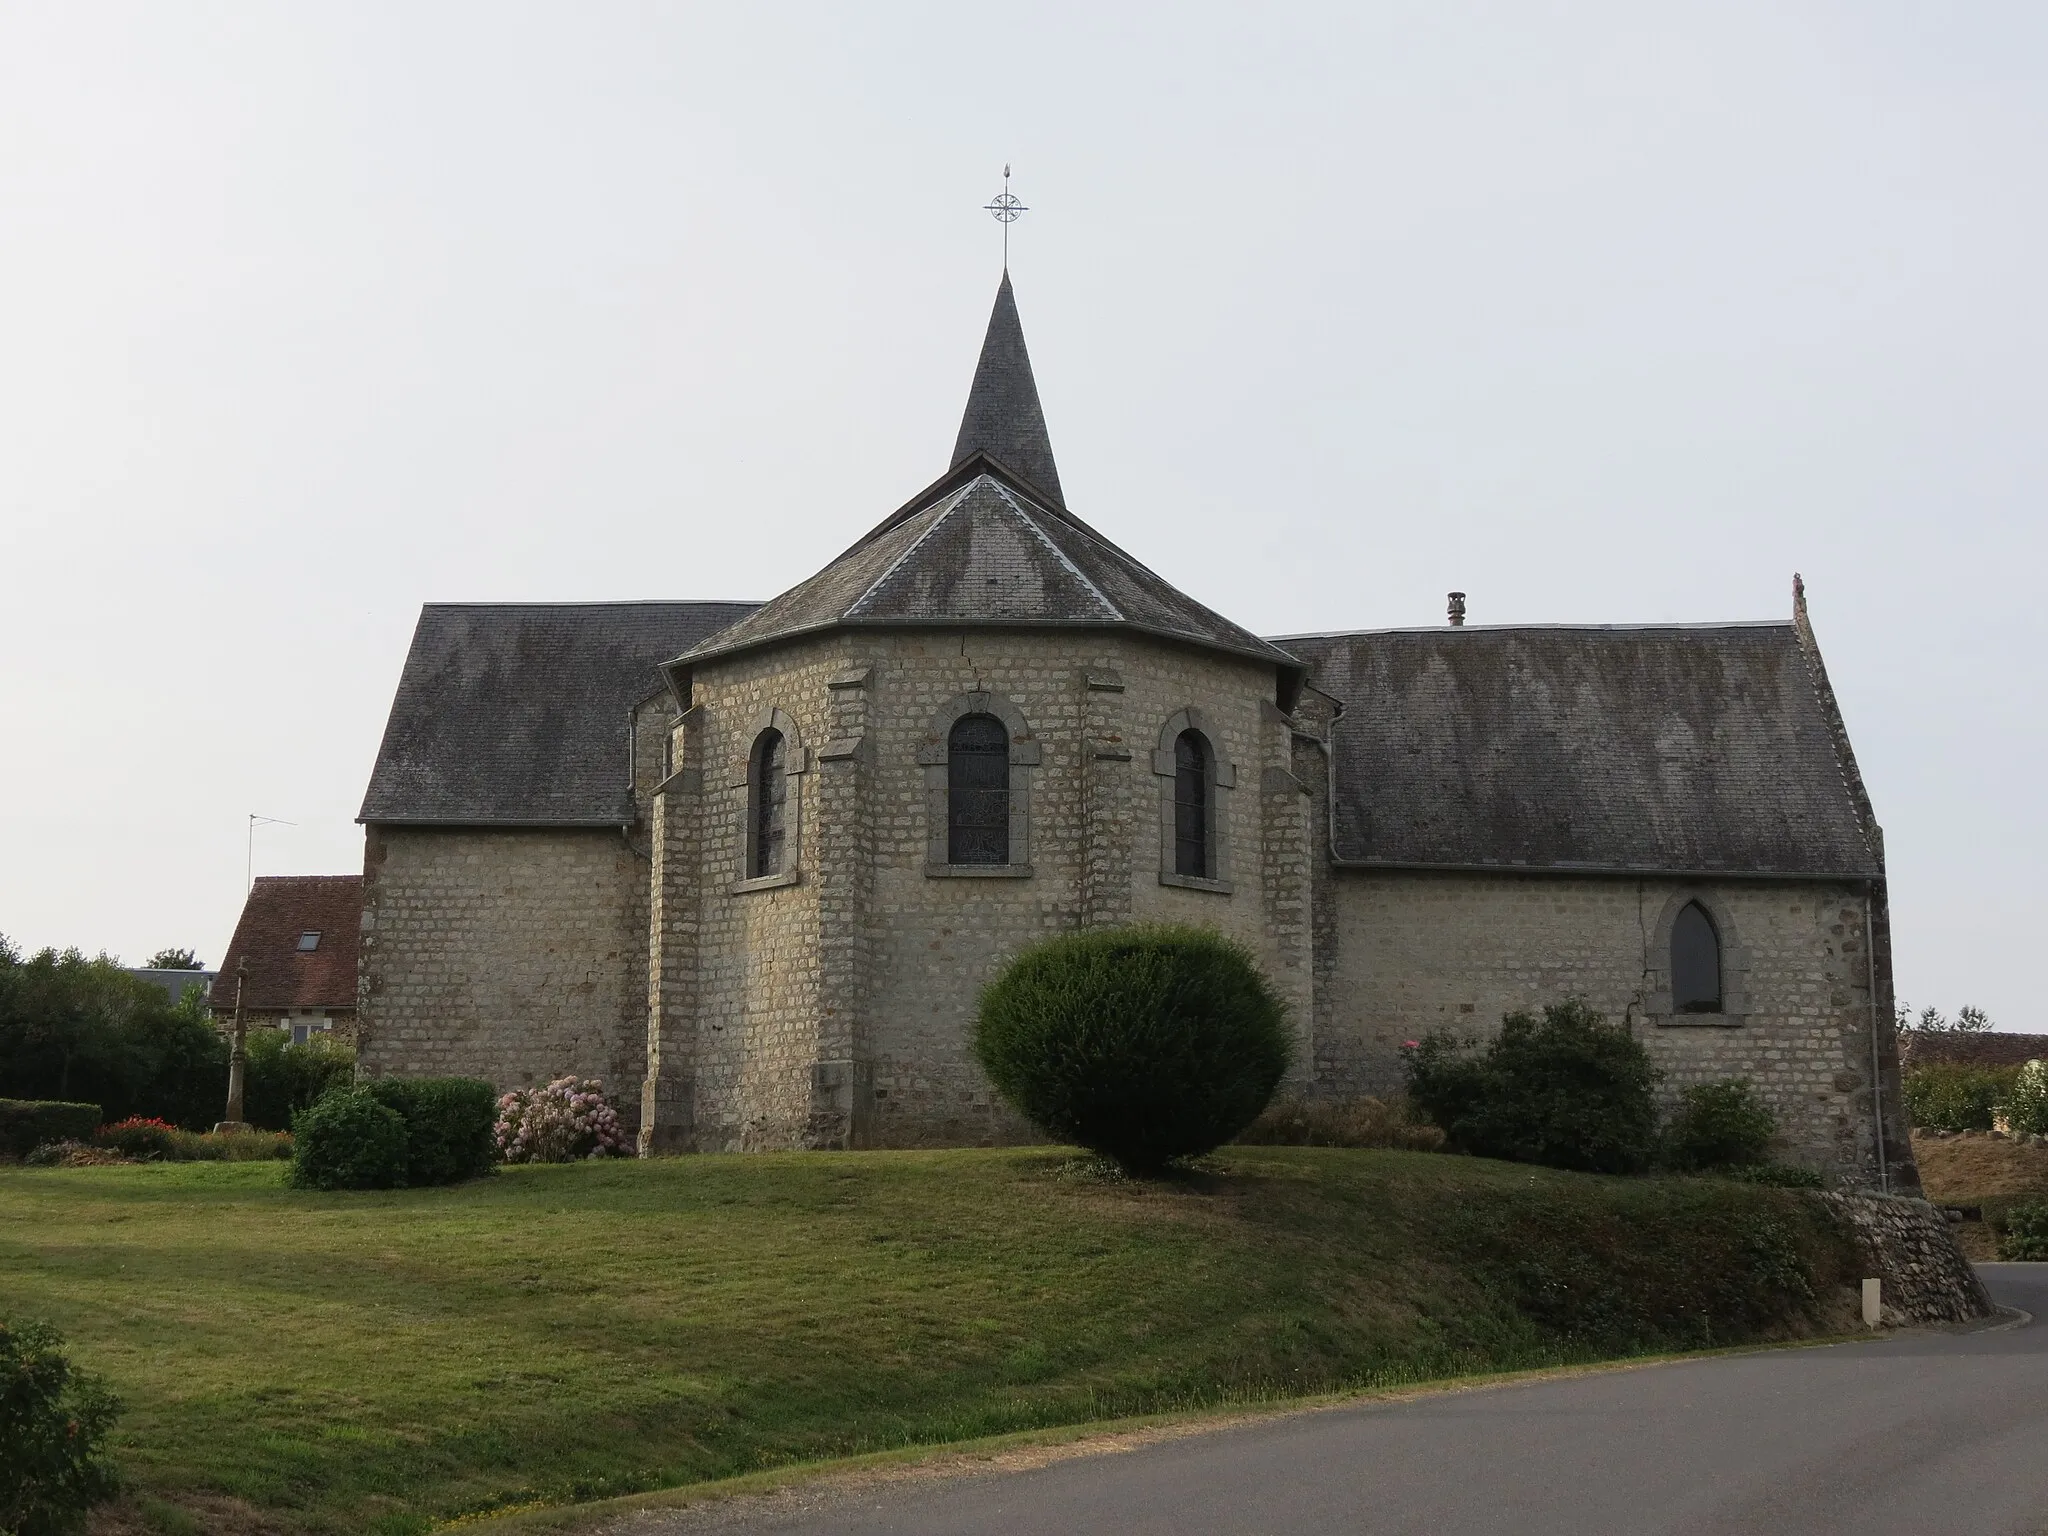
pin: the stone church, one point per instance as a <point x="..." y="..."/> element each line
<point x="750" y="863"/>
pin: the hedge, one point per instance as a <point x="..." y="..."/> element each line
<point x="26" y="1124"/>
<point x="449" y="1125"/>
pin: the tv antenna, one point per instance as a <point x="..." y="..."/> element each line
<point x="249" y="862"/>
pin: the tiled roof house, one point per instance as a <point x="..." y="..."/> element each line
<point x="292" y="961"/>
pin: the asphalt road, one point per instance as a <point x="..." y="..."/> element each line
<point x="1932" y="1434"/>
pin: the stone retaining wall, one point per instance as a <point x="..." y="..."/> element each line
<point x="1910" y="1246"/>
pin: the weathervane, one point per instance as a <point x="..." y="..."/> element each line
<point x="1005" y="209"/>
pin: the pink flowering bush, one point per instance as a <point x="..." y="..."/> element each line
<point x="567" y="1120"/>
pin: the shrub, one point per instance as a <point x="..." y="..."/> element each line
<point x="2026" y="1105"/>
<point x="26" y="1124"/>
<point x="54" y="1420"/>
<point x="567" y="1120"/>
<point x="1956" y="1096"/>
<point x="1142" y="1044"/>
<point x="348" y="1141"/>
<point x="1776" y="1175"/>
<point x="1566" y="1089"/>
<point x="449" y="1124"/>
<point x="2023" y="1236"/>
<point x="136" y="1137"/>
<point x="1719" y="1125"/>
<point x="280" y="1079"/>
<point x="1364" y="1122"/>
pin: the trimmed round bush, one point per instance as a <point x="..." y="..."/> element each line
<point x="1143" y="1044"/>
<point x="348" y="1141"/>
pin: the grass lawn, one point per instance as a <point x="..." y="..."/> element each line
<point x="303" y="1362"/>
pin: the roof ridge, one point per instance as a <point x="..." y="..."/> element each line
<point x="1451" y="629"/>
<point x="896" y="565"/>
<point x="1057" y="553"/>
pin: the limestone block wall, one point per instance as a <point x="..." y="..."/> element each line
<point x="1415" y="951"/>
<point x="833" y="1007"/>
<point x="1096" y="705"/>
<point x="510" y="955"/>
<point x="738" y="991"/>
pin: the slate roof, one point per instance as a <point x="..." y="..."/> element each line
<point x="991" y="543"/>
<point x="281" y="975"/>
<point x="1003" y="418"/>
<point x="986" y="552"/>
<point x="515" y="714"/>
<point x="1663" y="748"/>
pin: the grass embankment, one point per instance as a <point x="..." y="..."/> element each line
<point x="1983" y="1172"/>
<point x="378" y="1362"/>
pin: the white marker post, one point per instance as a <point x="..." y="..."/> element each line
<point x="1873" y="1303"/>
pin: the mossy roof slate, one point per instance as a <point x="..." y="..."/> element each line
<point x="1696" y="749"/>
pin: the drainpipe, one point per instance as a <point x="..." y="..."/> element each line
<point x="1884" y="1180"/>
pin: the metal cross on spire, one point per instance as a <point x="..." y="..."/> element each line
<point x="1006" y="210"/>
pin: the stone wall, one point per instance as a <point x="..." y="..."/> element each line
<point x="832" y="1007"/>
<point x="1416" y="951"/>
<point x="1909" y="1245"/>
<point x="735" y="1003"/>
<point x="511" y="955"/>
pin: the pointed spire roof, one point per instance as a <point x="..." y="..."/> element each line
<point x="1003" y="418"/>
<point x="990" y="543"/>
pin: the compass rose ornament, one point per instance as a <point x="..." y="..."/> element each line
<point x="1005" y="210"/>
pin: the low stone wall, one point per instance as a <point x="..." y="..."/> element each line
<point x="1910" y="1246"/>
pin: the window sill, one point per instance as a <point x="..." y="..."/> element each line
<point x="1698" y="1020"/>
<point x="978" y="871"/>
<point x="1195" y="883"/>
<point x="764" y="882"/>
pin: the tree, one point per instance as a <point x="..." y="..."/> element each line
<point x="173" y="960"/>
<point x="87" y="1031"/>
<point x="1969" y="1020"/>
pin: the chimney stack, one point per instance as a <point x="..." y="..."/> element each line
<point x="1457" y="609"/>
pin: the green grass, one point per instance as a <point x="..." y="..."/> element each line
<point x="381" y="1362"/>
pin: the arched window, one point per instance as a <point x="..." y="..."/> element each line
<point x="978" y="791"/>
<point x="1695" y="962"/>
<point x="1191" y="796"/>
<point x="768" y="797"/>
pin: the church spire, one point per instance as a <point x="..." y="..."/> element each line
<point x="1003" y="418"/>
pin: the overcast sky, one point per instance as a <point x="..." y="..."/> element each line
<point x="1602" y="313"/>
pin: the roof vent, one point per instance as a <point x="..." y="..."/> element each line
<point x="1457" y="609"/>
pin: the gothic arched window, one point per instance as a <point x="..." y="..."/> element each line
<point x="1695" y="962"/>
<point x="978" y="791"/>
<point x="767" y="804"/>
<point x="1191" y="796"/>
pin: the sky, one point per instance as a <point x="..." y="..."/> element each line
<point x="312" y="313"/>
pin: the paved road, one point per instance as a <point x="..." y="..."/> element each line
<point x="1933" y="1433"/>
